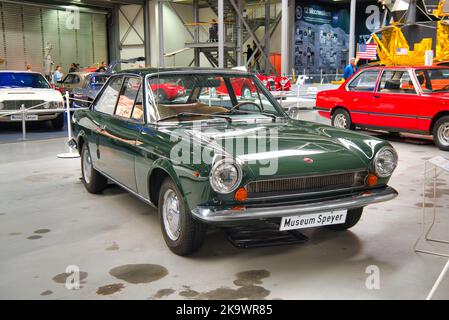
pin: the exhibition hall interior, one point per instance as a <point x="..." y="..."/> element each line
<point x="224" y="150"/>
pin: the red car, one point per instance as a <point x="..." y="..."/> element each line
<point x="274" y="83"/>
<point x="394" y="99"/>
<point x="167" y="91"/>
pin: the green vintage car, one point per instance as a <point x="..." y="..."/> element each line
<point x="224" y="153"/>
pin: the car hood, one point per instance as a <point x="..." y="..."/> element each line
<point x="292" y="147"/>
<point x="12" y="94"/>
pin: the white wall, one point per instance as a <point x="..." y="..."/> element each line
<point x="132" y="44"/>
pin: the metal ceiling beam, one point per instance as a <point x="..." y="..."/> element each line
<point x="84" y="3"/>
<point x="247" y="27"/>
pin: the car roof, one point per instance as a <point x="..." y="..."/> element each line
<point x="146" y="71"/>
<point x="407" y="67"/>
<point x="19" y="71"/>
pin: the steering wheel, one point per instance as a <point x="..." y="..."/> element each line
<point x="238" y="105"/>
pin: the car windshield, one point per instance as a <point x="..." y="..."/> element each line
<point x="23" y="80"/>
<point x="433" y="80"/>
<point x="98" y="80"/>
<point x="188" y="97"/>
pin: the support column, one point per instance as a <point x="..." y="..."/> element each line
<point x="221" y="33"/>
<point x="284" y="38"/>
<point x="240" y="36"/>
<point x="114" y="35"/>
<point x="267" y="37"/>
<point x="160" y="19"/>
<point x="196" y="32"/>
<point x="352" y="29"/>
<point x="147" y="32"/>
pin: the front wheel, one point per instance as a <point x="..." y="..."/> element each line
<point x="441" y="133"/>
<point x="92" y="179"/>
<point x="352" y="217"/>
<point x="341" y="119"/>
<point x="183" y="234"/>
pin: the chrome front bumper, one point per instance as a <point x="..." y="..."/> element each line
<point x="220" y="215"/>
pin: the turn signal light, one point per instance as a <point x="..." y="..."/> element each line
<point x="241" y="195"/>
<point x="371" y="180"/>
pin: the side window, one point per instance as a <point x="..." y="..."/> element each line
<point x="68" y="79"/>
<point x="138" y="107"/>
<point x="76" y="79"/>
<point x="396" y="81"/>
<point x="365" y="81"/>
<point x="108" y="99"/>
<point x="128" y="97"/>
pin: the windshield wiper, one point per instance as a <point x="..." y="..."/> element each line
<point x="193" y="114"/>
<point x="267" y="114"/>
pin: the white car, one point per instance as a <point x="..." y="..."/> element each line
<point x="29" y="89"/>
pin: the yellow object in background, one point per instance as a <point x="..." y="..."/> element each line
<point x="393" y="44"/>
<point x="394" y="50"/>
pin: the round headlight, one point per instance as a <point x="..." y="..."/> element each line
<point x="385" y="162"/>
<point x="225" y="176"/>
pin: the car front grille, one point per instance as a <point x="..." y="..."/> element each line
<point x="17" y="104"/>
<point x="306" y="184"/>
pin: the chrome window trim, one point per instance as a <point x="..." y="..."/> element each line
<point x="378" y="70"/>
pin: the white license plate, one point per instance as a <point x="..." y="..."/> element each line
<point x="29" y="117"/>
<point x="313" y="220"/>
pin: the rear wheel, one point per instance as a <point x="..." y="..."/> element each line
<point x="352" y="217"/>
<point x="441" y="133"/>
<point x="92" y="179"/>
<point x="58" y="122"/>
<point x="341" y="119"/>
<point x="182" y="234"/>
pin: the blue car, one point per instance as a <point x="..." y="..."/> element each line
<point x="84" y="95"/>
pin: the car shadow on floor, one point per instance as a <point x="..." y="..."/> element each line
<point x="217" y="244"/>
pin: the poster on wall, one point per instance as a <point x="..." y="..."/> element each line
<point x="321" y="37"/>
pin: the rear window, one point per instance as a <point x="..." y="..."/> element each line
<point x="433" y="80"/>
<point x="23" y="80"/>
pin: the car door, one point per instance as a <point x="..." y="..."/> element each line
<point x="359" y="95"/>
<point x="103" y="110"/>
<point x="396" y="101"/>
<point x="118" y="142"/>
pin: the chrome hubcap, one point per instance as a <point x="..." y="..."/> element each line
<point x="340" y="121"/>
<point x="87" y="166"/>
<point x="443" y="134"/>
<point x="171" y="215"/>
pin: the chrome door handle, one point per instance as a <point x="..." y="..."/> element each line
<point x="103" y="127"/>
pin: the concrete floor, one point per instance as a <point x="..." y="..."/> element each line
<point x="48" y="221"/>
